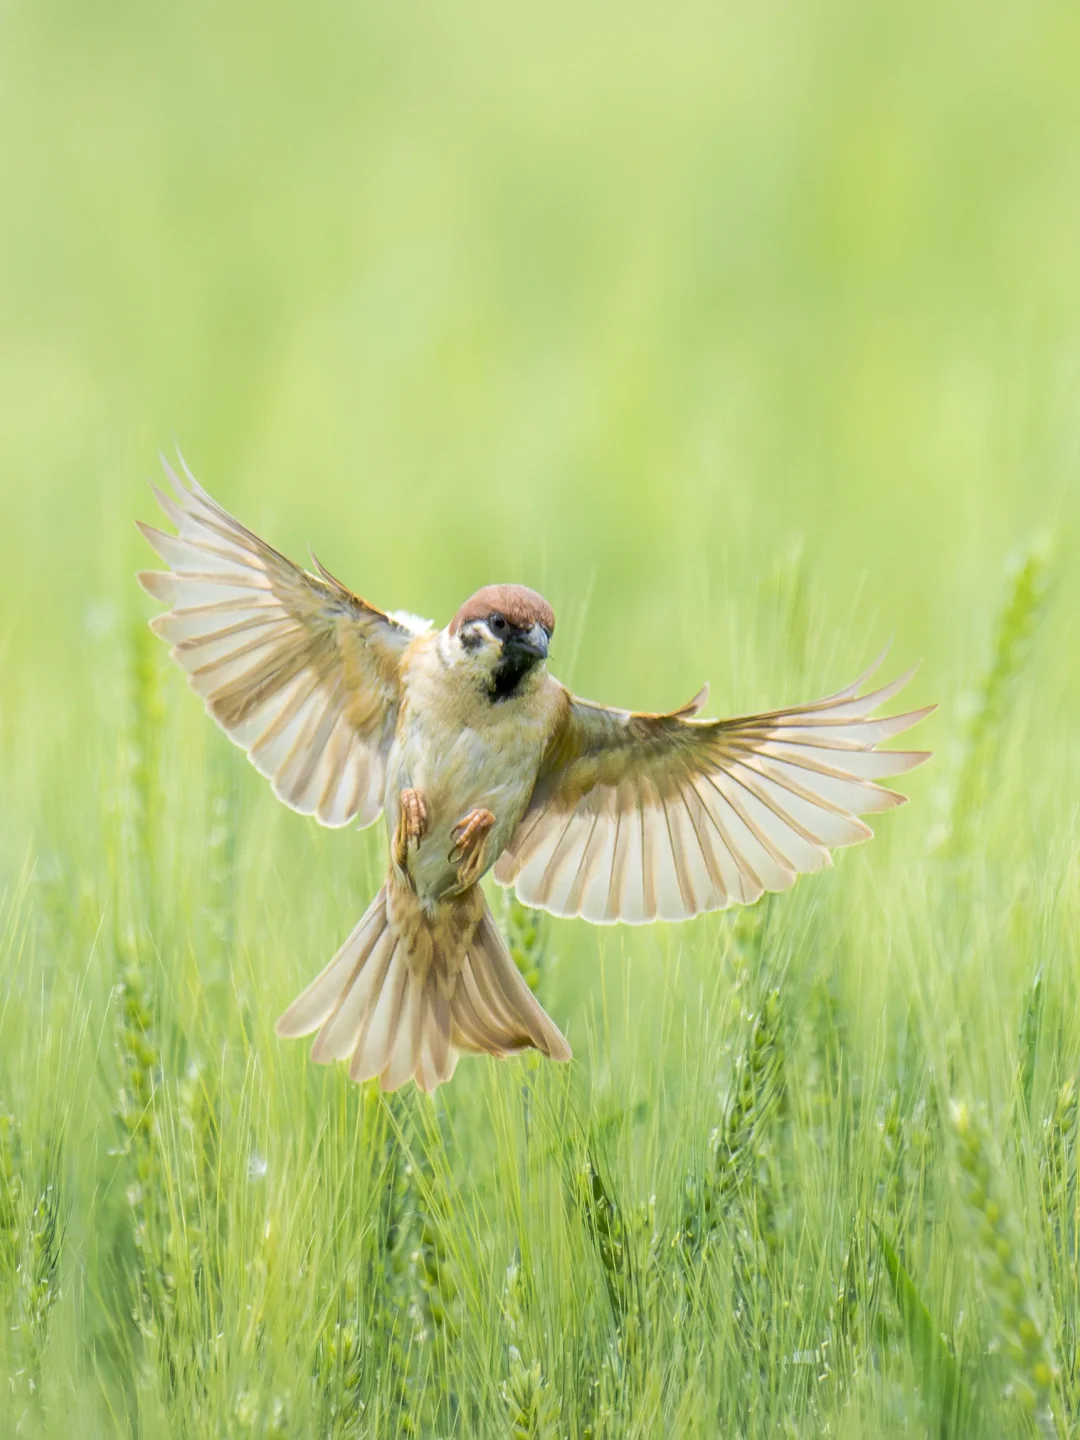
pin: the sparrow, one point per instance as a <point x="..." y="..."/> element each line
<point x="479" y="759"/>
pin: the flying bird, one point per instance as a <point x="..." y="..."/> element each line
<point x="479" y="758"/>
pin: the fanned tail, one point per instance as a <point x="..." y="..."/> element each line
<point x="407" y="994"/>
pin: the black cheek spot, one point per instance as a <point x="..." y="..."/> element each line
<point x="471" y="640"/>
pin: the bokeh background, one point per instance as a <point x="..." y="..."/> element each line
<point x="748" y="334"/>
<point x="617" y="300"/>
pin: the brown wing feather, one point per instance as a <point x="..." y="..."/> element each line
<point x="298" y="670"/>
<point x="641" y="817"/>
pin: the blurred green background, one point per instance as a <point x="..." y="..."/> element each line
<point x="615" y="299"/>
<point x="748" y="334"/>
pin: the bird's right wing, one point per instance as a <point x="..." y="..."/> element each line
<point x="295" y="668"/>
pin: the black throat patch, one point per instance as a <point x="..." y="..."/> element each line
<point x="507" y="676"/>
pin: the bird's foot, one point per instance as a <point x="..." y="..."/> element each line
<point x="468" y="836"/>
<point x="411" y="827"/>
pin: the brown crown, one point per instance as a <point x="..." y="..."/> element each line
<point x="520" y="605"/>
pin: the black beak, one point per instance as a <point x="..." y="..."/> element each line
<point x="533" y="642"/>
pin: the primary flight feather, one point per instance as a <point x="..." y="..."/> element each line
<point x="479" y="758"/>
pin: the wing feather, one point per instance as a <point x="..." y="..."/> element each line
<point x="296" y="669"/>
<point x="637" y="817"/>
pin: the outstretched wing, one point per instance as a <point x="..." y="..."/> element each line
<point x="643" y="817"/>
<point x="294" y="667"/>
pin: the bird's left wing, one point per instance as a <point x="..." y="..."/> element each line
<point x="639" y="817"/>
<point x="295" y="668"/>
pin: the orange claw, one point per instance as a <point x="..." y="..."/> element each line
<point x="411" y="827"/>
<point x="468" y="836"/>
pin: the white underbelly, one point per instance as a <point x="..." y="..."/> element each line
<point x="455" y="774"/>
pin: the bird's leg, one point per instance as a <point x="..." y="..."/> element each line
<point x="411" y="826"/>
<point x="468" y="836"/>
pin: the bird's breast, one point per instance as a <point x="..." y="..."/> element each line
<point x="461" y="759"/>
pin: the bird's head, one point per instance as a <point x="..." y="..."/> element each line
<point x="503" y="632"/>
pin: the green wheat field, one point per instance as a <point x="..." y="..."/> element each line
<point x="750" y="335"/>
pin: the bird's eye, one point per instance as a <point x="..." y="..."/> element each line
<point x="498" y="624"/>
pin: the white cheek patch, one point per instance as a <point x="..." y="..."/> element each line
<point x="472" y="647"/>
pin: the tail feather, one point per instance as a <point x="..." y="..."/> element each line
<point x="326" y="992"/>
<point x="341" y="1033"/>
<point x="405" y="995"/>
<point x="439" y="1058"/>
<point x="404" y="1056"/>
<point x="519" y="1005"/>
<point x="493" y="1008"/>
<point x="379" y="1033"/>
<point x="474" y="1027"/>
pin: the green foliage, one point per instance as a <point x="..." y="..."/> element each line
<point x="33" y="1224"/>
<point x="739" y="1147"/>
<point x="1012" y="1308"/>
<point x="526" y="935"/>
<point x="748" y="336"/>
<point x="762" y="1215"/>
<point x="939" y="1376"/>
<point x="989" y="706"/>
<point x="531" y="1403"/>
